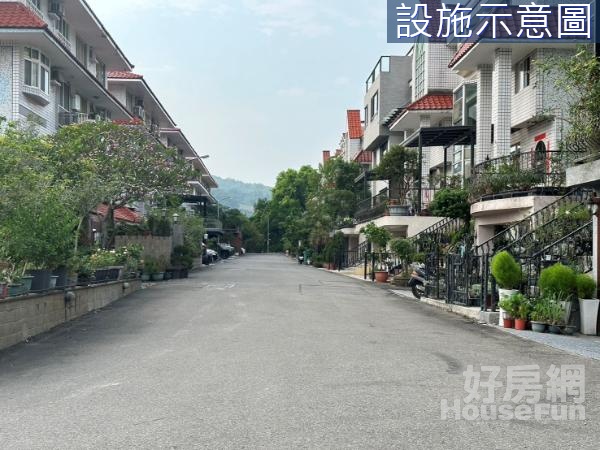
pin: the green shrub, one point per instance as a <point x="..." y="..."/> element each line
<point x="506" y="271"/>
<point x="182" y="257"/>
<point x="558" y="280"/>
<point x="377" y="236"/>
<point x="586" y="286"/>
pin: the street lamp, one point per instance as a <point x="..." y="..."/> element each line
<point x="175" y="218"/>
<point x="204" y="157"/>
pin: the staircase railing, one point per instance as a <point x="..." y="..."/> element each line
<point x="430" y="239"/>
<point x="527" y="228"/>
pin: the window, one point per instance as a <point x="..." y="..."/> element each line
<point x="470" y="113"/>
<point x="515" y="149"/>
<point x="523" y="74"/>
<point x="366" y="115"/>
<point x="374" y="105"/>
<point x="64" y="96"/>
<point x="37" y="70"/>
<point x="420" y="57"/>
<point x="81" y="51"/>
<point x="62" y="27"/>
<point x="101" y="72"/>
<point x="457" y="114"/>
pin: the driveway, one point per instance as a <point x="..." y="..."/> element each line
<point x="259" y="352"/>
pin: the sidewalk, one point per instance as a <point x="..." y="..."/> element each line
<point x="580" y="345"/>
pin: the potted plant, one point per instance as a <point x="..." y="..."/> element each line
<point x="508" y="274"/>
<point x="150" y="268"/>
<point x="559" y="283"/>
<point x="404" y="249"/>
<point x="159" y="271"/>
<point x="539" y="316"/>
<point x="588" y="304"/>
<point x="508" y="305"/>
<point x="521" y="311"/>
<point x="399" y="166"/>
<point x="379" y="237"/>
<point x="556" y="314"/>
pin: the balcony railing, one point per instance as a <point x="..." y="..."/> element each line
<point x="518" y="174"/>
<point x="35" y="9"/>
<point x="73" y="118"/>
<point x="382" y="205"/>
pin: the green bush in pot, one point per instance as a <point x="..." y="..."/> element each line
<point x="558" y="280"/>
<point x="506" y="271"/>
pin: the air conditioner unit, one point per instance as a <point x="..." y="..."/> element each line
<point x="139" y="112"/>
<point x="76" y="103"/>
<point x="56" y="8"/>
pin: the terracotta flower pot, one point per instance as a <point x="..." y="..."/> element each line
<point x="521" y="324"/>
<point x="509" y="323"/>
<point x="381" y="277"/>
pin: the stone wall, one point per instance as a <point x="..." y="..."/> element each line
<point x="25" y="317"/>
<point x="154" y="247"/>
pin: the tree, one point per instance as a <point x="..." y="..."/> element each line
<point x="117" y="165"/>
<point x="400" y="166"/>
<point x="128" y="162"/>
<point x="453" y="203"/>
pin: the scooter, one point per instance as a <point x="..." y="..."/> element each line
<point x="301" y="259"/>
<point x="418" y="281"/>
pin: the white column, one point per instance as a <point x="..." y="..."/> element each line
<point x="484" y="114"/>
<point x="502" y="101"/>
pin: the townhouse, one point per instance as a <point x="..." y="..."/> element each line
<point x="519" y="126"/>
<point x="60" y="66"/>
<point x="406" y="98"/>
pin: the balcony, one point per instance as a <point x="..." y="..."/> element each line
<point x="382" y="205"/>
<point x="519" y="175"/>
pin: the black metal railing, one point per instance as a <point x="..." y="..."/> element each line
<point x="437" y="235"/>
<point x="543" y="227"/>
<point x="372" y="208"/>
<point x="518" y="174"/>
<point x="352" y="258"/>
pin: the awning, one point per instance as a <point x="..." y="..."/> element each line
<point x="442" y="137"/>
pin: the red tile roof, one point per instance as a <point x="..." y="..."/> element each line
<point x="355" y="130"/>
<point x="122" y="75"/>
<point x="462" y="51"/>
<point x="17" y="15"/>
<point x="120" y="214"/>
<point x="364" y="157"/>
<point x="432" y="102"/>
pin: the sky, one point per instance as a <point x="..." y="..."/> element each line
<point x="259" y="85"/>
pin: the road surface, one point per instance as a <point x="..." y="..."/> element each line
<point x="259" y="352"/>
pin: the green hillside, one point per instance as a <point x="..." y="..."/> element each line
<point x="239" y="195"/>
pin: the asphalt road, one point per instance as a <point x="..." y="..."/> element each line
<point x="259" y="352"/>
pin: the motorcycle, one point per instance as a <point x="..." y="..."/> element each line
<point x="418" y="282"/>
<point x="301" y="259"/>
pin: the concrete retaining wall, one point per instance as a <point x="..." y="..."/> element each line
<point x="154" y="246"/>
<point x="25" y="317"/>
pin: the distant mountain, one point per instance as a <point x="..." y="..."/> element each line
<point x="239" y="195"/>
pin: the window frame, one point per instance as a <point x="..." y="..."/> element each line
<point x="37" y="75"/>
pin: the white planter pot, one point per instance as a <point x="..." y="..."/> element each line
<point x="589" y="316"/>
<point x="504" y="294"/>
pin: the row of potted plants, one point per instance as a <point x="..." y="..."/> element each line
<point x="94" y="267"/>
<point x="558" y="285"/>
